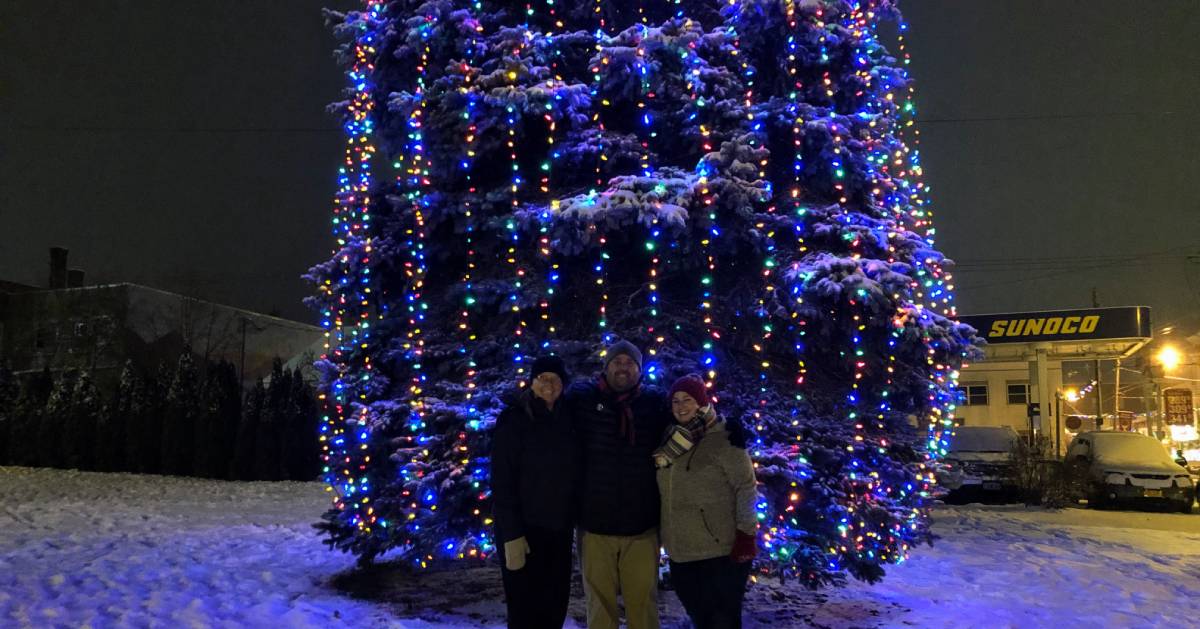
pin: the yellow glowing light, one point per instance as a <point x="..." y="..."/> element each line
<point x="1168" y="357"/>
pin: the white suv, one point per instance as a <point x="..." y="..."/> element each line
<point x="1128" y="467"/>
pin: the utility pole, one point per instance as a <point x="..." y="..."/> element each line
<point x="1058" y="423"/>
<point x="1154" y="408"/>
<point x="1117" y="392"/>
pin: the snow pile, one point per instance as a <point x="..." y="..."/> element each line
<point x="103" y="550"/>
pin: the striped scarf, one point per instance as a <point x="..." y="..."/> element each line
<point x="681" y="438"/>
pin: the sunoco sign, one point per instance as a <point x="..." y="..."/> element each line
<point x="1063" y="325"/>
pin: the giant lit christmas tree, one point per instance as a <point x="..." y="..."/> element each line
<point x="732" y="185"/>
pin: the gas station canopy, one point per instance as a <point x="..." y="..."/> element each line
<point x="1088" y="334"/>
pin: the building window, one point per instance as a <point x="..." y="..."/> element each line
<point x="973" y="395"/>
<point x="1018" y="393"/>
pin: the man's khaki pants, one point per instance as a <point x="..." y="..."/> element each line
<point x="627" y="565"/>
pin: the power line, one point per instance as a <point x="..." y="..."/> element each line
<point x="1064" y="266"/>
<point x="1075" y="116"/>
<point x="1073" y="270"/>
<point x="1054" y="258"/>
<point x="960" y="263"/>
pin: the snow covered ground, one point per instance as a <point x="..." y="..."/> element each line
<point x="111" y="550"/>
<point x="1018" y="567"/>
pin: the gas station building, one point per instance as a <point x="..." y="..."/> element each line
<point x="1020" y="381"/>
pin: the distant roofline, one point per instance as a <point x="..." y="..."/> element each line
<point x="263" y="315"/>
<point x="22" y="287"/>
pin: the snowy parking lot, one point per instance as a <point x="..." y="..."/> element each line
<point x="100" y="550"/>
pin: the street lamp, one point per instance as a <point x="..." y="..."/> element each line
<point x="1071" y="395"/>
<point x="1168" y="357"/>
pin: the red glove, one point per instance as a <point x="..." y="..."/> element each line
<point x="745" y="547"/>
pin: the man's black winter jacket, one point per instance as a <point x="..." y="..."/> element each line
<point x="618" y="494"/>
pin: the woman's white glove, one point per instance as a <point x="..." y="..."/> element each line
<point x="514" y="553"/>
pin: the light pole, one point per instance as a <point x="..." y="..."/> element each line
<point x="1070" y="395"/>
<point x="1058" y="396"/>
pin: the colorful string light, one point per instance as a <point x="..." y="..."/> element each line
<point x="708" y="357"/>
<point x="349" y="302"/>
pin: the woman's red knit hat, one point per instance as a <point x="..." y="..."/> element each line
<point x="692" y="385"/>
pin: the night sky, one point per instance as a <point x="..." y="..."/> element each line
<point x="185" y="145"/>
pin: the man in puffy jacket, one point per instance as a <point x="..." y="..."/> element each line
<point x="619" y="423"/>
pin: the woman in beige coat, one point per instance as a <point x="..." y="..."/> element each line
<point x="706" y="481"/>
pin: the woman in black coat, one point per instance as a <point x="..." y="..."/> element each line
<point x="533" y="481"/>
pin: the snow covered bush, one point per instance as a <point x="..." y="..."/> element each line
<point x="1039" y="476"/>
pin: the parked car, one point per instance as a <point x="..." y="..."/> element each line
<point x="1128" y="467"/>
<point x="978" y="464"/>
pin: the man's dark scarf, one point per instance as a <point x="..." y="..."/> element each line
<point x="624" y="406"/>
